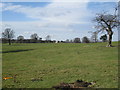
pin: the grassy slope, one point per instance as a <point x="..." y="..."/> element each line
<point x="56" y="63"/>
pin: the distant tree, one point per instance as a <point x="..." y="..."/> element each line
<point x="8" y="34"/>
<point x="85" y="40"/>
<point x="77" y="40"/>
<point x="54" y="41"/>
<point x="20" y="38"/>
<point x="67" y="41"/>
<point x="40" y="39"/>
<point x="107" y="22"/>
<point x="103" y="38"/>
<point x="34" y="36"/>
<point x="48" y="38"/>
<point x="94" y="35"/>
<point x="61" y="41"/>
<point x="71" y="41"/>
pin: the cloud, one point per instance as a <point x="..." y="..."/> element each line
<point x="55" y="17"/>
<point x="59" y="0"/>
<point x="54" y="12"/>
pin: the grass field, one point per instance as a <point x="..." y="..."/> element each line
<point x="50" y="64"/>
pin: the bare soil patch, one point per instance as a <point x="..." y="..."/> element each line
<point x="76" y="84"/>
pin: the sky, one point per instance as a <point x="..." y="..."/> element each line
<point x="60" y="20"/>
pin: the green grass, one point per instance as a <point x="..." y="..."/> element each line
<point x="56" y="63"/>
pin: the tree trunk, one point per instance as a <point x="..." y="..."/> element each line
<point x="110" y="33"/>
<point x="9" y="42"/>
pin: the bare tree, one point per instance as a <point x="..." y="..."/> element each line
<point x="48" y="38"/>
<point x="94" y="35"/>
<point x="8" y="34"/>
<point x="107" y="22"/>
<point x="67" y="41"/>
<point x="34" y="36"/>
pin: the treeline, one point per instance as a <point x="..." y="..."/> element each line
<point x="20" y="39"/>
<point x="75" y="40"/>
<point x="8" y="34"/>
<point x="27" y="41"/>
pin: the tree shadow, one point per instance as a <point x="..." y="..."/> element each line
<point x="14" y="51"/>
<point x="111" y="46"/>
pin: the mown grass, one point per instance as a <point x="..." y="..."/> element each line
<point x="62" y="62"/>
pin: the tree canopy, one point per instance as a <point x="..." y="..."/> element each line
<point x="107" y="22"/>
<point x="8" y="34"/>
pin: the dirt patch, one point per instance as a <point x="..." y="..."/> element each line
<point x="77" y="84"/>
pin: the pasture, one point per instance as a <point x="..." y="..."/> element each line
<point x="43" y="65"/>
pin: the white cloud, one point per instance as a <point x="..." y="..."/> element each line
<point x="54" y="12"/>
<point x="59" y="0"/>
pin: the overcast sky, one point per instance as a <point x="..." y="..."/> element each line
<point x="60" y="20"/>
